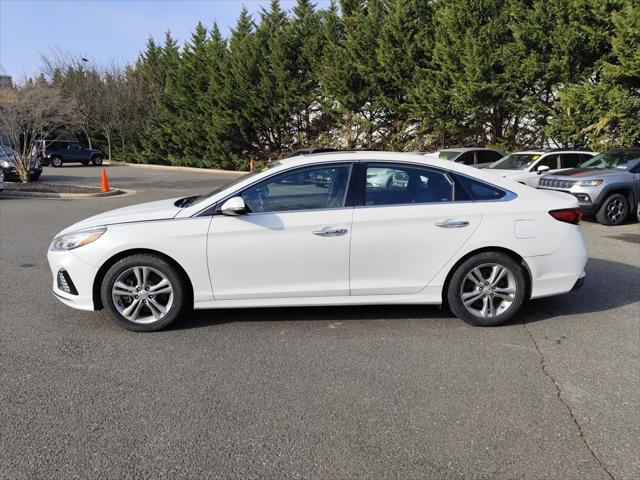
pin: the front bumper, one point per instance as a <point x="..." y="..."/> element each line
<point x="81" y="274"/>
<point x="11" y="174"/>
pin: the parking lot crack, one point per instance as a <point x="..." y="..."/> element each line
<point x="543" y="365"/>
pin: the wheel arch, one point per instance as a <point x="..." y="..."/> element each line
<point x="623" y="190"/>
<point x="506" y="251"/>
<point x="97" y="281"/>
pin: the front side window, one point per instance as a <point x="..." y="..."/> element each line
<point x="448" y="154"/>
<point x="317" y="187"/>
<point x="392" y="184"/>
<point x="466" y="158"/>
<point x="550" y="161"/>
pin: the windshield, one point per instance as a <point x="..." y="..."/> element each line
<point x="449" y="154"/>
<point x="203" y="198"/>
<point x="619" y="160"/>
<point x="516" y="161"/>
<point x="6" y="153"/>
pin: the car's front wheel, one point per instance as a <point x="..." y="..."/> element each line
<point x="56" y="162"/>
<point x="144" y="292"/>
<point x="487" y="289"/>
<point x="614" y="210"/>
<point x="97" y="160"/>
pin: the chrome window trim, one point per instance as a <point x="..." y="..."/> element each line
<point x="509" y="196"/>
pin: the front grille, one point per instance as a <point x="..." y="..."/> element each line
<point x="555" y="183"/>
<point x="65" y="284"/>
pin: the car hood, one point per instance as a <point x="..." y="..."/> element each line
<point x="579" y="173"/>
<point x="160" y="210"/>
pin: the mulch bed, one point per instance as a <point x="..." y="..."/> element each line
<point x="40" y="187"/>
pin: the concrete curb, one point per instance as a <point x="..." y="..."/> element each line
<point x="176" y="169"/>
<point x="58" y="196"/>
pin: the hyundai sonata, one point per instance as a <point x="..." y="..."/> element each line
<point x="446" y="233"/>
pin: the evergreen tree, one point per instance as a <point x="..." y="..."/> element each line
<point x="603" y="110"/>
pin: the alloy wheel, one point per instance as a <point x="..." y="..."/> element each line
<point x="142" y="294"/>
<point x="616" y="209"/>
<point x="488" y="290"/>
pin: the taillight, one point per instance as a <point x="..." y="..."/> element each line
<point x="569" y="215"/>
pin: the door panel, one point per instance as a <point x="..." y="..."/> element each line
<point x="399" y="249"/>
<point x="278" y="255"/>
<point x="407" y="228"/>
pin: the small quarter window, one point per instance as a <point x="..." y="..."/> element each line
<point x="480" y="191"/>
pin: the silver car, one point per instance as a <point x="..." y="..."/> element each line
<point x="607" y="186"/>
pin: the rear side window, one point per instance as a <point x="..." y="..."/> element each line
<point x="571" y="160"/>
<point x="488" y="156"/>
<point x="394" y="184"/>
<point x="480" y="191"/>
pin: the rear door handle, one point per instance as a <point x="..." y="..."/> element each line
<point x="330" y="232"/>
<point x="452" y="223"/>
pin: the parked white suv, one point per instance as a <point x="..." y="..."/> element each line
<point x="527" y="166"/>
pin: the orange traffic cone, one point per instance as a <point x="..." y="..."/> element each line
<point x="105" y="183"/>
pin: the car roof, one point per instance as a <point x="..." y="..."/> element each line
<point x="554" y="150"/>
<point x="377" y="156"/>
<point x="467" y="149"/>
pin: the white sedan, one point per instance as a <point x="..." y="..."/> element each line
<point x="447" y="233"/>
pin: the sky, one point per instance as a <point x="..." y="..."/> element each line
<point x="105" y="30"/>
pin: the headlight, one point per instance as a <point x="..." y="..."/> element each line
<point x="590" y="183"/>
<point x="5" y="164"/>
<point x="72" y="240"/>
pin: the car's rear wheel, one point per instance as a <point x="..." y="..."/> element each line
<point x="56" y="162"/>
<point x="97" y="160"/>
<point x="614" y="210"/>
<point x="34" y="176"/>
<point x="144" y="292"/>
<point x="487" y="289"/>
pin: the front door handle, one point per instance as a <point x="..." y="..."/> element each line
<point x="452" y="223"/>
<point x="330" y="232"/>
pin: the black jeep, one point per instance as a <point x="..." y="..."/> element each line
<point x="58" y="152"/>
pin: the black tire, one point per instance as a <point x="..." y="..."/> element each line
<point x="56" y="162"/>
<point x="614" y="210"/>
<point x="180" y="304"/>
<point x="97" y="160"/>
<point x="514" y="279"/>
<point x="35" y="176"/>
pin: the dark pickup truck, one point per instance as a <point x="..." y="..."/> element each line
<point x="56" y="153"/>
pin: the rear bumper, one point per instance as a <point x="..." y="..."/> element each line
<point x="579" y="284"/>
<point x="563" y="270"/>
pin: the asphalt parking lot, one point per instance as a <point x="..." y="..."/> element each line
<point x="358" y="392"/>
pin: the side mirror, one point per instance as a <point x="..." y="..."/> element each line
<point x="234" y="206"/>
<point x="542" y="168"/>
